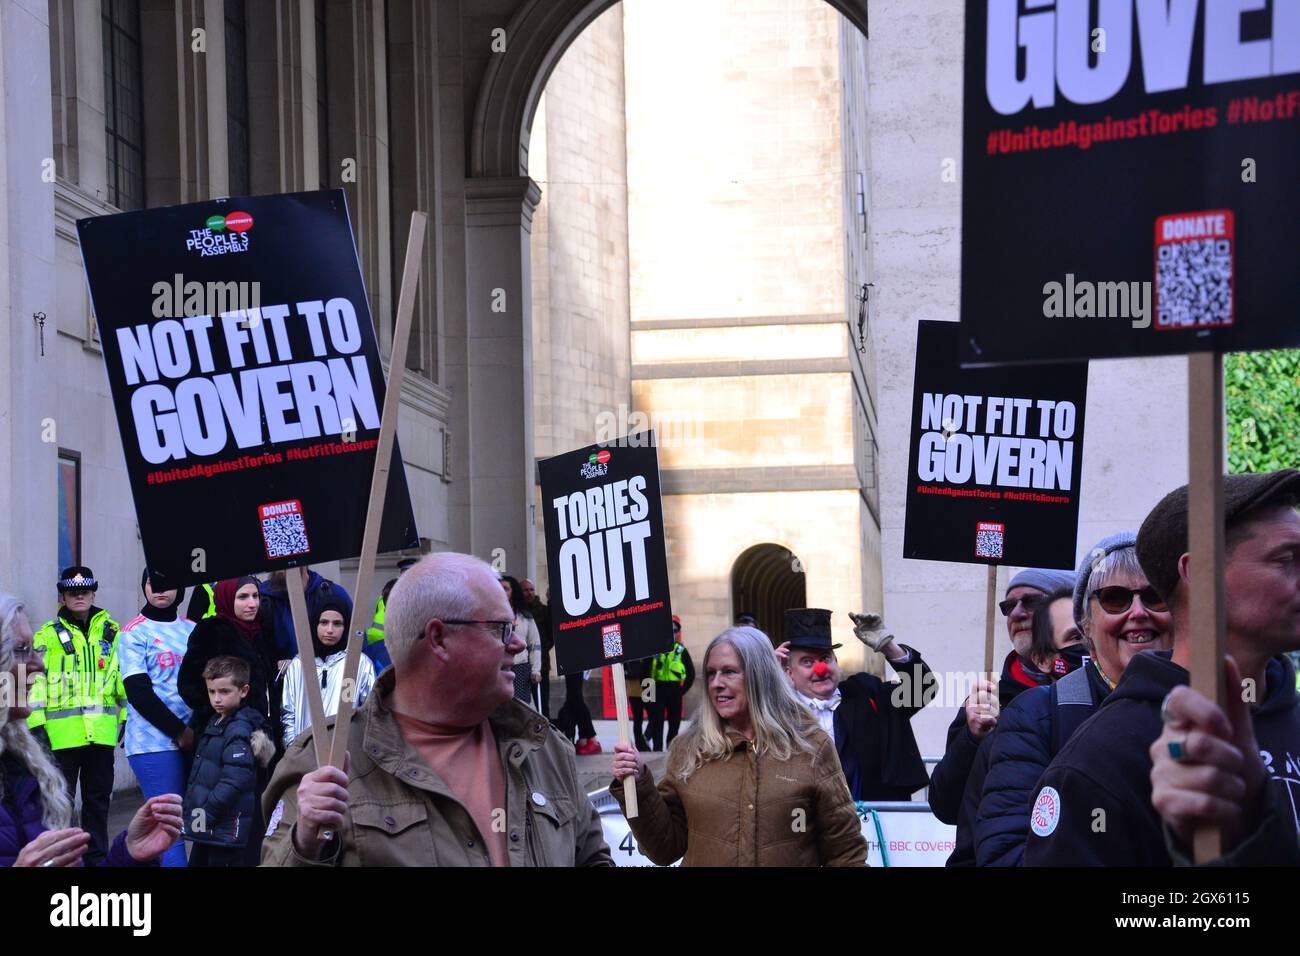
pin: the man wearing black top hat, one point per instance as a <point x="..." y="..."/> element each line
<point x="869" y="719"/>
<point x="77" y="706"/>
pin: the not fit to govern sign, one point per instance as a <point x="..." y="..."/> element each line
<point x="245" y="375"/>
<point x="996" y="458"/>
<point x="1129" y="178"/>
<point x="604" y="527"/>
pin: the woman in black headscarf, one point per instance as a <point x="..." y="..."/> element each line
<point x="329" y="641"/>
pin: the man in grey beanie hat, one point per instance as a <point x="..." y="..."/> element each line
<point x="979" y="714"/>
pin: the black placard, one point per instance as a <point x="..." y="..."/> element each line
<point x="604" y="525"/>
<point x="996" y="458"/>
<point x="245" y="374"/>
<point x="1129" y="184"/>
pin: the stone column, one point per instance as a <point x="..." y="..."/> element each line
<point x="29" y="419"/>
<point x="497" y="375"/>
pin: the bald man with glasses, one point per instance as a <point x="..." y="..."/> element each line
<point x="445" y="767"/>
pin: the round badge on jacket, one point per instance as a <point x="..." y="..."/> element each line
<point x="1047" y="812"/>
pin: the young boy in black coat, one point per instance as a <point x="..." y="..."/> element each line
<point x="221" y="817"/>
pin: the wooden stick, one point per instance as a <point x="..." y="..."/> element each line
<point x="379" y="481"/>
<point x="307" y="658"/>
<point x="990" y="605"/>
<point x="1206" y="607"/>
<point x="624" y="736"/>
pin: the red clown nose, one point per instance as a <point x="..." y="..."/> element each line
<point x="821" y="669"/>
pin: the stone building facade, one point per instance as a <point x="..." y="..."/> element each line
<point x="704" y="268"/>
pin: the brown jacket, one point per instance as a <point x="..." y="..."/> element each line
<point x="400" y="813"/>
<point x="743" y="811"/>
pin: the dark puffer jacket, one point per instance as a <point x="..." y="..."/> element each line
<point x="951" y="774"/>
<point x="1030" y="732"/>
<point x="20" y="816"/>
<point x="221" y="806"/>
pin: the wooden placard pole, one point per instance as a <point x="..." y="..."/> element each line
<point x="379" y="481"/>
<point x="1206" y="610"/>
<point x="990" y="606"/>
<point x="307" y="658"/>
<point x="624" y="736"/>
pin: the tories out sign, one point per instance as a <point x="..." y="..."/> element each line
<point x="246" y="378"/>
<point x="1129" y="178"/>
<point x="604" y="527"/>
<point x="996" y="458"/>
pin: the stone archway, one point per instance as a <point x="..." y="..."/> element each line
<point x="536" y="37"/>
<point x="766" y="580"/>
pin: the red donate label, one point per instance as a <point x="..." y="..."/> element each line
<point x="1194" y="270"/>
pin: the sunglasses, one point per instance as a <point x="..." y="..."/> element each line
<point x="1117" y="600"/>
<point x="1029" y="601"/>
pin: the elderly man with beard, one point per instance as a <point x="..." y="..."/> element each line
<point x="869" y="719"/>
<point x="1095" y="803"/>
<point x="444" y="767"/>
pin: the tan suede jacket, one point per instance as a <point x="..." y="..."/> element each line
<point x="401" y="814"/>
<point x="747" y="811"/>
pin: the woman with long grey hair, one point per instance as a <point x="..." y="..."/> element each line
<point x="754" y="782"/>
<point x="34" y="805"/>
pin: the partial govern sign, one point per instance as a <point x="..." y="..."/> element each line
<point x="996" y="458"/>
<point x="1129" y="178"/>
<point x="245" y="374"/>
<point x="605" y="554"/>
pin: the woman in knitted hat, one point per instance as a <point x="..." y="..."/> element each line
<point x="330" y="643"/>
<point x="1119" y="615"/>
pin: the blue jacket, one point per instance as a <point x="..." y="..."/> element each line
<point x="1029" y="734"/>
<point x="221" y="796"/>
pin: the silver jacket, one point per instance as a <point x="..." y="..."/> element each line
<point x="294" y="715"/>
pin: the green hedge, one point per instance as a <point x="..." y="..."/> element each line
<point x="1262" y="392"/>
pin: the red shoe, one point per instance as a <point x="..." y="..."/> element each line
<point x="591" y="746"/>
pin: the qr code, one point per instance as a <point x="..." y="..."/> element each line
<point x="989" y="538"/>
<point x="283" y="529"/>
<point x="1194" y="264"/>
<point x="611" y="638"/>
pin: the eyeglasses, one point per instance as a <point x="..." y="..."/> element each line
<point x="1030" y="602"/>
<point x="507" y="627"/>
<point x="1117" y="600"/>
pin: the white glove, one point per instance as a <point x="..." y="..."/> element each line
<point x="870" y="630"/>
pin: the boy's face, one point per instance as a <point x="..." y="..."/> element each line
<point x="224" y="696"/>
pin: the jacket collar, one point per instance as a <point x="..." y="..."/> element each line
<point x="519" y="731"/>
<point x="93" y="612"/>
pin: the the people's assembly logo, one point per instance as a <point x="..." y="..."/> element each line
<point x="596" y="465"/>
<point x="221" y="235"/>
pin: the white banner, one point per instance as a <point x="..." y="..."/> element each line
<point x="911" y="838"/>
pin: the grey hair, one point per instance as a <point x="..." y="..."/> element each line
<point x="16" y="739"/>
<point x="782" y="724"/>
<point x="438" y="586"/>
<point x="1121" y="562"/>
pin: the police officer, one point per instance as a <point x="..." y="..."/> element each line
<point x="375" y="632"/>
<point x="78" y="704"/>
<point x="673" y="674"/>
